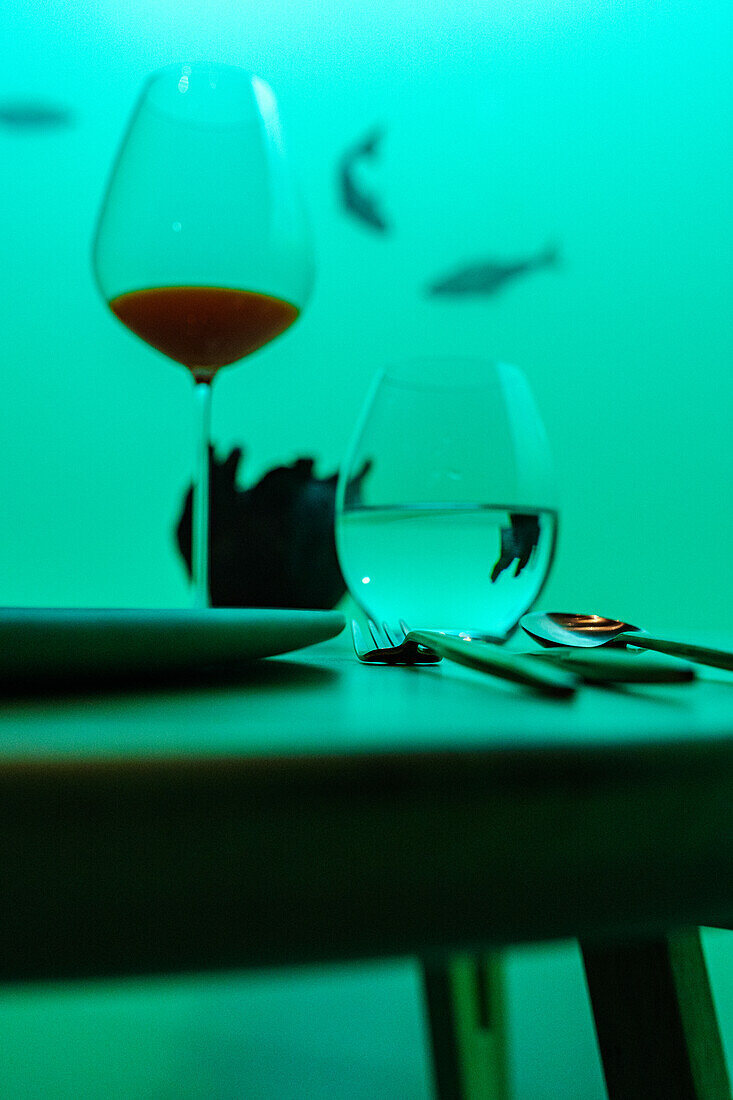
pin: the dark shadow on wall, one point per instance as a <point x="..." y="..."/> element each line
<point x="272" y="545"/>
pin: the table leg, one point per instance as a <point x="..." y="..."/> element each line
<point x="655" y="1019"/>
<point x="467" y="1019"/>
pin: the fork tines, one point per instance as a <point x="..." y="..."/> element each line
<point x="388" y="646"/>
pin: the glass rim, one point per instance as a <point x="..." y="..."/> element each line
<point x="160" y="77"/>
<point x="465" y="372"/>
<point x="191" y="65"/>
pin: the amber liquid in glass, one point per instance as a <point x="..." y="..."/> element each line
<point x="203" y="327"/>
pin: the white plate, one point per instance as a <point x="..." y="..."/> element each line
<point x="58" y="642"/>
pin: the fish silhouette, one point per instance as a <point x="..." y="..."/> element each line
<point x="517" y="543"/>
<point x="489" y="276"/>
<point x="362" y="205"/>
<point x="33" y="115"/>
<point x="272" y="545"/>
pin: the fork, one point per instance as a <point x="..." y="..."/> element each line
<point x="389" y="646"/>
<point x="398" y="645"/>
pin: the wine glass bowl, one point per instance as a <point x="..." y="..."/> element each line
<point x="453" y="526"/>
<point x="202" y="247"/>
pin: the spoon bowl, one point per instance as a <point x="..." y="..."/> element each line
<point x="554" y="628"/>
<point x="562" y="628"/>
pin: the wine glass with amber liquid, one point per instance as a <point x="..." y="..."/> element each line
<point x="202" y="248"/>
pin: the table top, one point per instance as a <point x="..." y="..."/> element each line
<point x="321" y="701"/>
<point x="313" y="808"/>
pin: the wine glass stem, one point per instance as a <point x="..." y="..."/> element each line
<point x="200" y="543"/>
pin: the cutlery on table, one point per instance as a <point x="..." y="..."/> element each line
<point x="553" y="628"/>
<point x="388" y="645"/>
<point x="620" y="666"/>
<point x="393" y="645"/>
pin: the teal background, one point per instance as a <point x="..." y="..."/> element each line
<point x="604" y="127"/>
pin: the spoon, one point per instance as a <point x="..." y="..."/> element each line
<point x="552" y="628"/>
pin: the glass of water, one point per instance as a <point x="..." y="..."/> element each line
<point x="446" y="511"/>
